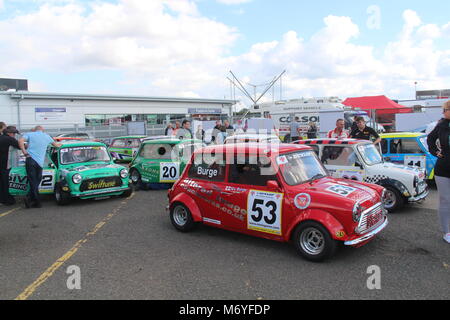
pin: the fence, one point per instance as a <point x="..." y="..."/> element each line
<point x="102" y="132"/>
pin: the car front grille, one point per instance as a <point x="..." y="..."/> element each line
<point x="100" y="183"/>
<point x="371" y="218"/>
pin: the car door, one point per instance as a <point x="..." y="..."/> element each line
<point x="248" y="204"/>
<point x="18" y="180"/>
<point x="49" y="170"/>
<point x="410" y="153"/>
<point x="205" y="180"/>
<point x="342" y="162"/>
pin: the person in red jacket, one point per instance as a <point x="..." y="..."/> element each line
<point x="339" y="132"/>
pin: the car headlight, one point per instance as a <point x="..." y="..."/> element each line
<point x="357" y="212"/>
<point x="76" y="178"/>
<point x="416" y="181"/>
<point x="123" y="173"/>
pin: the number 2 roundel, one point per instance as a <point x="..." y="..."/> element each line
<point x="264" y="211"/>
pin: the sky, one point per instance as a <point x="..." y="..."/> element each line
<point x="186" y="48"/>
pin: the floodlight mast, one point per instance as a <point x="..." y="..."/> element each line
<point x="255" y="100"/>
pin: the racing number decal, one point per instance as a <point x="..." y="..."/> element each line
<point x="48" y="181"/>
<point x="341" y="190"/>
<point x="264" y="211"/>
<point x="169" y="172"/>
<point x="416" y="161"/>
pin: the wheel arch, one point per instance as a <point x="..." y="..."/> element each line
<point x="396" y="184"/>
<point x="327" y="220"/>
<point x="190" y="204"/>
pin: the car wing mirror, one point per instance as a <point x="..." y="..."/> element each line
<point x="273" y="185"/>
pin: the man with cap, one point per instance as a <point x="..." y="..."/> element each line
<point x="2" y="127"/>
<point x="7" y="143"/>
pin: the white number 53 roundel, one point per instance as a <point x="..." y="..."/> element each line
<point x="264" y="211"/>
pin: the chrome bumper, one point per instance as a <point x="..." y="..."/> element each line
<point x="419" y="197"/>
<point x="368" y="235"/>
<point x="101" y="192"/>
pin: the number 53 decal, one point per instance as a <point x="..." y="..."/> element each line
<point x="264" y="211"/>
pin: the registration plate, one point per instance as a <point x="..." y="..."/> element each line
<point x="101" y="198"/>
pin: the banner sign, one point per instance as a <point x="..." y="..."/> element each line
<point x="50" y="114"/>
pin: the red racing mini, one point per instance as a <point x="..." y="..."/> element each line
<point x="280" y="192"/>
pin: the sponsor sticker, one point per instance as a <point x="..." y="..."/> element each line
<point x="302" y="200"/>
<point x="264" y="211"/>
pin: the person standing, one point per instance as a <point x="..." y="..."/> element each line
<point x="339" y="132"/>
<point x="7" y="143"/>
<point x="169" y="130"/>
<point x="442" y="168"/>
<point x="295" y="129"/>
<point x="177" y="128"/>
<point x="363" y="132"/>
<point x="200" y="133"/>
<point x="312" y="131"/>
<point x="216" y="131"/>
<point x="38" y="142"/>
<point x="185" y="131"/>
<point x="229" y="128"/>
<point x="2" y="127"/>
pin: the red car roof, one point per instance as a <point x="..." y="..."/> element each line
<point x="253" y="148"/>
<point x="331" y="141"/>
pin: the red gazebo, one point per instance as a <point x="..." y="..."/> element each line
<point x="382" y="105"/>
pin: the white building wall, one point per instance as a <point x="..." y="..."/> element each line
<point x="76" y="110"/>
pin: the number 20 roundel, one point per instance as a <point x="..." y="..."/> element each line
<point x="264" y="211"/>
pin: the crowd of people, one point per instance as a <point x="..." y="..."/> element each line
<point x="34" y="145"/>
<point x="182" y="130"/>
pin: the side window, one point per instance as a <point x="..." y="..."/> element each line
<point x="316" y="149"/>
<point x="384" y="146"/>
<point x="207" y="170"/>
<point x="54" y="156"/>
<point x="395" y="146"/>
<point x="339" y="156"/>
<point x="135" y="143"/>
<point x="118" y="143"/>
<point x="252" y="171"/>
<point x="410" y="146"/>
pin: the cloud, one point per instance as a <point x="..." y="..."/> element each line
<point x="168" y="48"/>
<point x="233" y="2"/>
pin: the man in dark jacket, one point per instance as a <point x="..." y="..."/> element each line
<point x="441" y="150"/>
<point x="7" y="141"/>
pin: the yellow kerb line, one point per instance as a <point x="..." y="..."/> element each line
<point x="8" y="212"/>
<point x="54" y="267"/>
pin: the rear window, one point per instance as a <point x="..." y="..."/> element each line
<point x="207" y="170"/>
<point x="159" y="152"/>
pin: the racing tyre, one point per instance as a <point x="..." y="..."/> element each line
<point x="181" y="217"/>
<point x="62" y="197"/>
<point x="394" y="200"/>
<point x="313" y="241"/>
<point x="127" y="193"/>
<point x="135" y="177"/>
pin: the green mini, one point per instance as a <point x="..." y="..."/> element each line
<point x="159" y="163"/>
<point x="123" y="149"/>
<point x="76" y="169"/>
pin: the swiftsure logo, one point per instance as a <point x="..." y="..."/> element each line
<point x="102" y="184"/>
